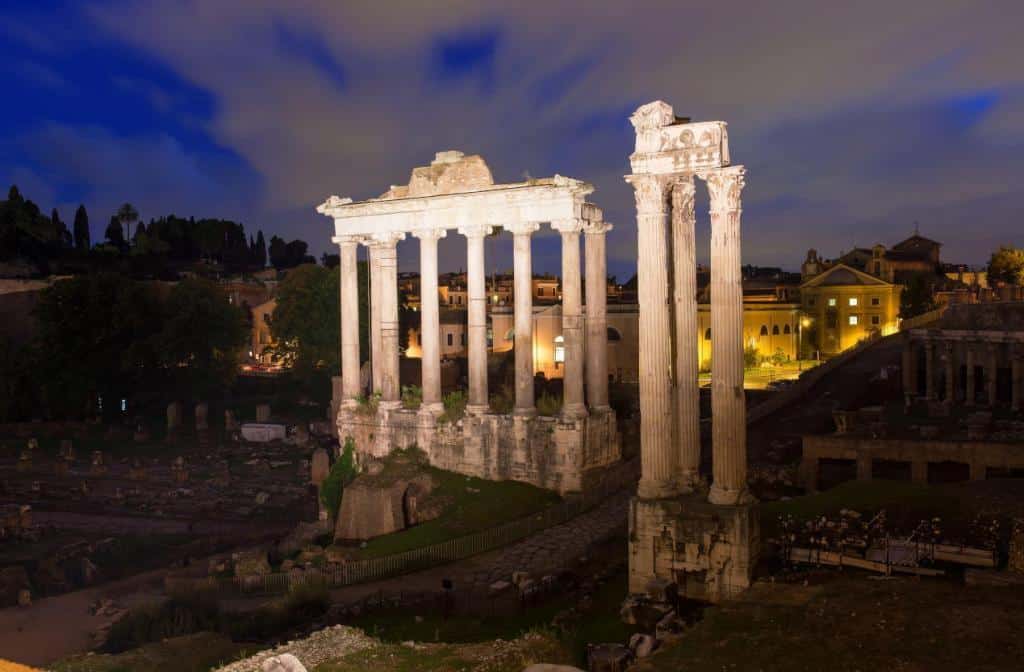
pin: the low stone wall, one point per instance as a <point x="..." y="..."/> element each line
<point x="978" y="455"/>
<point x="552" y="453"/>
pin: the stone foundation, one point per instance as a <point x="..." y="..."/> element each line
<point x="554" y="453"/>
<point x="709" y="551"/>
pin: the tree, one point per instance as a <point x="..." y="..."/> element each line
<point x="287" y="255"/>
<point x="114" y="233"/>
<point x="916" y="297"/>
<point x="261" y="251"/>
<point x="81" y="229"/>
<point x="127" y="215"/>
<point x="1007" y="265"/>
<point x="305" y="323"/>
<point x="202" y="337"/>
<point x="60" y="232"/>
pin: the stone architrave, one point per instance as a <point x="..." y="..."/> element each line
<point x="728" y="402"/>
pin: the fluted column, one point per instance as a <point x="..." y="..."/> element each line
<point x="929" y="370"/>
<point x="950" y="372"/>
<point x="430" y="322"/>
<point x="477" y="322"/>
<point x="523" y="296"/>
<point x="969" y="392"/>
<point x="572" y="318"/>
<point x="991" y="373"/>
<point x="909" y="370"/>
<point x="684" y="283"/>
<point x="728" y="405"/>
<point x="658" y="458"/>
<point x="387" y="296"/>
<point x="594" y="246"/>
<point x="375" y="351"/>
<point x="348" y="270"/>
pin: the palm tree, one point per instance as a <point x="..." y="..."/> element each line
<point x="127" y="214"/>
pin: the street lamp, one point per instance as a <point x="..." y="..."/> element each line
<point x="804" y="322"/>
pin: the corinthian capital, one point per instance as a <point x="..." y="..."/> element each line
<point x="571" y="225"/>
<point x="475" y="230"/>
<point x="385" y="238"/>
<point x="430" y="234"/>
<point x="650" y="194"/>
<point x="596" y="227"/>
<point x="725" y="186"/>
<point x="683" y="191"/>
<point x="522" y="228"/>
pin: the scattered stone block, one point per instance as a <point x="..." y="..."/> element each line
<point x="609" y="658"/>
<point x="670" y="627"/>
<point x="263" y="413"/>
<point x="498" y="587"/>
<point x="642" y="645"/>
<point x="286" y="662"/>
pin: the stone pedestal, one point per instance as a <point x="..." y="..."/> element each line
<point x="709" y="551"/>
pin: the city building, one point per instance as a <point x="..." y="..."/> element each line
<point x="844" y="306"/>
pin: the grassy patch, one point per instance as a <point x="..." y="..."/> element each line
<point x="857" y="624"/>
<point x="473" y="504"/>
<point x="192" y="653"/>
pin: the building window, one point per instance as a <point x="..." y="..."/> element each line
<point x="707" y="334"/>
<point x="853" y="320"/>
<point x="764" y="330"/>
<point x="613" y="335"/>
<point x="875" y="320"/>
<point x="853" y="300"/>
<point x="874" y="301"/>
<point x="775" y="330"/>
<point x="832" y="301"/>
<point x="810" y="301"/>
<point x="559" y="350"/>
<point x="449" y="340"/>
<point x="786" y="329"/>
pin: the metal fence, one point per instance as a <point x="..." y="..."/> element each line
<point x="376" y="569"/>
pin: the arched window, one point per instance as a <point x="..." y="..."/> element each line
<point x="775" y="330"/>
<point x="614" y="335"/>
<point x="764" y="330"/>
<point x="707" y="334"/>
<point x="786" y="330"/>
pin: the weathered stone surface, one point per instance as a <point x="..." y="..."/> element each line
<point x="285" y="662"/>
<point x="370" y="508"/>
<point x="320" y="466"/>
<point x="642" y="645"/>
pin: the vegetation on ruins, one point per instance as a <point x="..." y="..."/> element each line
<point x="1007" y="265"/>
<point x="549" y="405"/>
<point x="454" y="406"/>
<point x="412" y="396"/>
<point x="342" y="472"/>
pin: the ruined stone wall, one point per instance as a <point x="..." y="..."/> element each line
<point x="552" y="453"/>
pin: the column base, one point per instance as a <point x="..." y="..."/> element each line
<point x="574" y="412"/>
<point x="389" y="405"/>
<point x="720" y="496"/>
<point x="648" y="489"/>
<point x="525" y="412"/>
<point x="349" y="403"/>
<point x="434" y="409"/>
<point x="477" y="409"/>
<point x="689" y="481"/>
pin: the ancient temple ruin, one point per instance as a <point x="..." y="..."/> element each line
<point x="457" y="193"/>
<point x="705" y="542"/>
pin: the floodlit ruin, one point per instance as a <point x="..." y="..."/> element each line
<point x="704" y="542"/>
<point x="456" y="193"/>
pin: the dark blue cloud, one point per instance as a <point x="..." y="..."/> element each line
<point x="310" y="47"/>
<point x="467" y="54"/>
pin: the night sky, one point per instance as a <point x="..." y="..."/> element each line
<point x="854" y="119"/>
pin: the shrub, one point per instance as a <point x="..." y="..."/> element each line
<point x="454" y="406"/>
<point x="779" y="358"/>
<point x="549" y="405"/>
<point x="368" y="405"/>
<point x="342" y="472"/>
<point x="504" y="401"/>
<point x="412" y="396"/>
<point x="751" y="357"/>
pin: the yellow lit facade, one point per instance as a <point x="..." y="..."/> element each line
<point x="845" y="306"/>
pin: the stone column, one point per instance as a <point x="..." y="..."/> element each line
<point x="991" y="373"/>
<point x="430" y="321"/>
<point x="909" y="370"/>
<point x="348" y="269"/>
<point x="929" y="370"/>
<point x="658" y="458"/>
<point x="970" y="383"/>
<point x="684" y="274"/>
<point x="523" y="328"/>
<point x="477" y="292"/>
<point x="728" y="405"/>
<point x="1017" y="380"/>
<point x="375" y="349"/>
<point x="572" y="318"/>
<point x="950" y="373"/>
<point x="387" y="297"/>
<point x="597" y="313"/>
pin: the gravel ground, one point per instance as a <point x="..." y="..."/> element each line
<point x="320" y="647"/>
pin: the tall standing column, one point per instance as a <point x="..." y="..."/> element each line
<point x="572" y="318"/>
<point x="430" y="322"/>
<point x="1017" y="379"/>
<point x="348" y="269"/>
<point x="969" y="393"/>
<point x="929" y="370"/>
<point x="728" y="405"/>
<point x="597" y="313"/>
<point x="522" y="233"/>
<point x="950" y="372"/>
<point x="992" y="373"/>
<point x="477" y="291"/>
<point x="909" y="370"/>
<point x="375" y="350"/>
<point x="658" y="458"/>
<point x="387" y="296"/>
<point x="684" y="283"/>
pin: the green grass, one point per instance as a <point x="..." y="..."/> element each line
<point x="474" y="504"/>
<point x="192" y="653"/>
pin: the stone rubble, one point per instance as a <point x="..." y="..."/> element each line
<point x="320" y="647"/>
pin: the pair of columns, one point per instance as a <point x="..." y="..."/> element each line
<point x="988" y="357"/>
<point x="384" y="316"/>
<point x="669" y="393"/>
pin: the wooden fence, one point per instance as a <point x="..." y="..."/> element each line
<point x="376" y="569"/>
